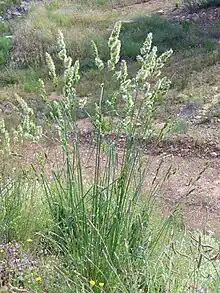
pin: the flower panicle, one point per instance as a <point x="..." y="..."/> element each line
<point x="52" y="69"/>
<point x="99" y="63"/>
<point x="114" y="45"/>
<point x="43" y="92"/>
<point x="61" y="46"/>
<point x="62" y="52"/>
<point x="147" y="45"/>
<point x="2" y="126"/>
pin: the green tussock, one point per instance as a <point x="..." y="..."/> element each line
<point x="72" y="233"/>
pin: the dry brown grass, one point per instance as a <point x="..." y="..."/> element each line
<point x="37" y="34"/>
<point x="28" y="45"/>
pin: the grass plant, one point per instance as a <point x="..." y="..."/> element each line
<point x="102" y="234"/>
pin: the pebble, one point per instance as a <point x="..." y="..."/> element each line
<point x="214" y="154"/>
<point x="16" y="13"/>
<point x="183" y="18"/>
<point x="176" y="18"/>
<point x="217" y="147"/>
<point x="195" y="17"/>
<point x="160" y="12"/>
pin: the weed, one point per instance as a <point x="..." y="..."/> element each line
<point x="4" y="28"/>
<point x="5" y="48"/>
<point x="185" y="26"/>
<point x="210" y="45"/>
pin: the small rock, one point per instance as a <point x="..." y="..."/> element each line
<point x="40" y="118"/>
<point x="81" y="113"/>
<point x="210" y="232"/>
<point x="189" y="17"/>
<point x="203" y="15"/>
<point x="16" y="13"/>
<point x="195" y="17"/>
<point x="217" y="147"/>
<point x="160" y="12"/>
<point x="211" y="17"/>
<point x="176" y="18"/>
<point x="129" y="21"/>
<point x="213" y="154"/>
<point x="183" y="18"/>
<point x="188" y="109"/>
<point x="8" y="15"/>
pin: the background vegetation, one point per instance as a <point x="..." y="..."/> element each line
<point x="34" y="34"/>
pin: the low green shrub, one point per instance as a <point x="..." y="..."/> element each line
<point x="4" y="28"/>
<point x="5" y="49"/>
<point x="166" y="35"/>
<point x="210" y="45"/>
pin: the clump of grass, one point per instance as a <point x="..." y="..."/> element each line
<point x="28" y="46"/>
<point x="4" y="28"/>
<point x="5" y="48"/>
<point x="166" y="35"/>
<point x="210" y="45"/>
<point x="104" y="231"/>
